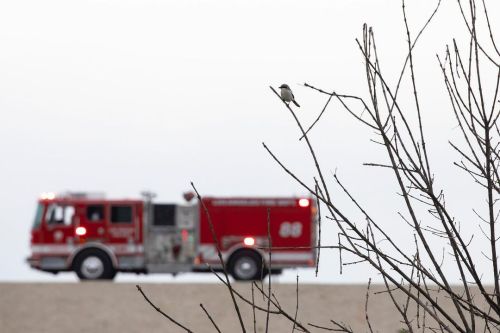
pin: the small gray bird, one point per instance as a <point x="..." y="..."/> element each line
<point x="287" y="95"/>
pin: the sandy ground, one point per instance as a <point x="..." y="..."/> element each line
<point x="119" y="308"/>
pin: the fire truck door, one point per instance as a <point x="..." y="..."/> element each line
<point x="123" y="223"/>
<point x="92" y="217"/>
<point x="59" y="223"/>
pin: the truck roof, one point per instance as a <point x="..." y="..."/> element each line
<point x="257" y="201"/>
<point x="90" y="201"/>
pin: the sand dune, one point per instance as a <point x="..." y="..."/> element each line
<point x="119" y="308"/>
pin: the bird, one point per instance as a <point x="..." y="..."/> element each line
<point x="287" y="95"/>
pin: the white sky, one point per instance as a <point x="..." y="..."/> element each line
<point x="122" y="96"/>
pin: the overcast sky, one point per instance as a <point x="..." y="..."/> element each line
<point x="127" y="95"/>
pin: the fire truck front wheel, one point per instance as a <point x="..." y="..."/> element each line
<point x="246" y="265"/>
<point x="94" y="264"/>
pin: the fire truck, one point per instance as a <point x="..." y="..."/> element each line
<point x="97" y="237"/>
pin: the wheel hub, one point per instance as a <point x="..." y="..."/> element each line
<point x="92" y="267"/>
<point x="245" y="268"/>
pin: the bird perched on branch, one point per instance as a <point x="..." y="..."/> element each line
<point x="287" y="95"/>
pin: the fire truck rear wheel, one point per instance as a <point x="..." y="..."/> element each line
<point x="246" y="265"/>
<point x="94" y="264"/>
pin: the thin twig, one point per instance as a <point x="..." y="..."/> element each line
<point x="297" y="305"/>
<point x="160" y="310"/>
<point x="210" y="317"/>
<point x="269" y="241"/>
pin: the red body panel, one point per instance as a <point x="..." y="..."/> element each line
<point x="234" y="219"/>
<point x="100" y="229"/>
<point x="61" y="240"/>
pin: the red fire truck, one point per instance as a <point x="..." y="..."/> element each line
<point x="97" y="237"/>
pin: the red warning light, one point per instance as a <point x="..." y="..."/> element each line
<point x="184" y="235"/>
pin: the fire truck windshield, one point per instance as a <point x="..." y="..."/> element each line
<point x="38" y="216"/>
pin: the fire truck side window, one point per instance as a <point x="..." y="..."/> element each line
<point x="60" y="215"/>
<point x="95" y="213"/>
<point x="121" y="214"/>
<point x="164" y="215"/>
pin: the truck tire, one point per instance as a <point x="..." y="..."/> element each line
<point x="93" y="264"/>
<point x="246" y="265"/>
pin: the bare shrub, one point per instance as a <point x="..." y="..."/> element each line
<point x="414" y="280"/>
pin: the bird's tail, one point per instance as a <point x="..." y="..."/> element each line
<point x="296" y="103"/>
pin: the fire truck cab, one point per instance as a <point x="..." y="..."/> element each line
<point x="97" y="237"/>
